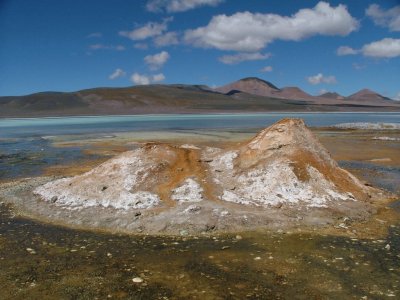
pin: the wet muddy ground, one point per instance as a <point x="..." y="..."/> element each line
<point x="41" y="261"/>
<point x="47" y="262"/>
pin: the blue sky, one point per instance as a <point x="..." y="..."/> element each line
<point x="341" y="46"/>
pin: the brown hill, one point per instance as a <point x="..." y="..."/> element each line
<point x="250" y="85"/>
<point x="367" y="95"/>
<point x="332" y="95"/>
<point x="293" y="93"/>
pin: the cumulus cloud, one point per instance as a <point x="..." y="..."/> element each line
<point x="156" y="61"/>
<point x="386" y="18"/>
<point x="266" y="69"/>
<point x="107" y="47"/>
<point x="169" y="38"/>
<point x="141" y="79"/>
<point x="150" y="29"/>
<point x="320" y="78"/>
<point x="250" y="32"/>
<point x="178" y="5"/>
<point x="240" y="57"/>
<point x="345" y="50"/>
<point x="158" y="77"/>
<point x="385" y="48"/>
<point x="117" y="74"/>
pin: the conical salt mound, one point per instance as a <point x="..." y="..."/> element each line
<point x="283" y="165"/>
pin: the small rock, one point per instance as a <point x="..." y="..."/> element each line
<point x="183" y="232"/>
<point x="54" y="199"/>
<point x="137" y="280"/>
<point x="104" y="188"/>
<point x="210" y="227"/>
<point x="257" y="258"/>
<point x="137" y="214"/>
<point x="387" y="247"/>
<point x="238" y="237"/>
<point x="192" y="209"/>
<point x="225" y="247"/>
<point x="31" y="251"/>
<point x="109" y="254"/>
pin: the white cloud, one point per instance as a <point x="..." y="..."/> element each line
<point x="169" y="38"/>
<point x="150" y="29"/>
<point x="140" y="79"/>
<point x="238" y="58"/>
<point x="116" y="74"/>
<point x="107" y="47"/>
<point x="178" y="5"/>
<point x="345" y="50"/>
<point x="386" y="18"/>
<point x="320" y="78"/>
<point x="156" y="61"/>
<point x="141" y="46"/>
<point x="266" y="69"/>
<point x="158" y="77"/>
<point x="246" y="31"/>
<point x="95" y="35"/>
<point x="385" y="48"/>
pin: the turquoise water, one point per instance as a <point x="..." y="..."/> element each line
<point x="24" y="127"/>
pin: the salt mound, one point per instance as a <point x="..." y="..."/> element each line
<point x="283" y="165"/>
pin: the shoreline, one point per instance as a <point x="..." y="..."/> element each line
<point x="183" y="114"/>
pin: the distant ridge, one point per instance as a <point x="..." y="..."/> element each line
<point x="294" y="93"/>
<point x="260" y="80"/>
<point x="250" y="85"/>
<point x="367" y="95"/>
<point x="249" y="94"/>
<point x="332" y="95"/>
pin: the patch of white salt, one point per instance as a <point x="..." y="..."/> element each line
<point x="189" y="191"/>
<point x="277" y="183"/>
<point x="224" y="161"/>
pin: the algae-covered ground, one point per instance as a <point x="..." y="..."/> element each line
<point x="354" y="261"/>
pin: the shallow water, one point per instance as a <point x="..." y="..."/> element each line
<point x="39" y="261"/>
<point x="25" y="157"/>
<point x="386" y="177"/>
<point x="15" y="127"/>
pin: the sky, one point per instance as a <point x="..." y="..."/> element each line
<point x="319" y="46"/>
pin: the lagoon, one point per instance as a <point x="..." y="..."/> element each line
<point x="25" y="127"/>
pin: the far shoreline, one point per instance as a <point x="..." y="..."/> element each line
<point x="184" y="114"/>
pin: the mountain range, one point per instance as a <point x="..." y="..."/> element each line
<point x="246" y="95"/>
